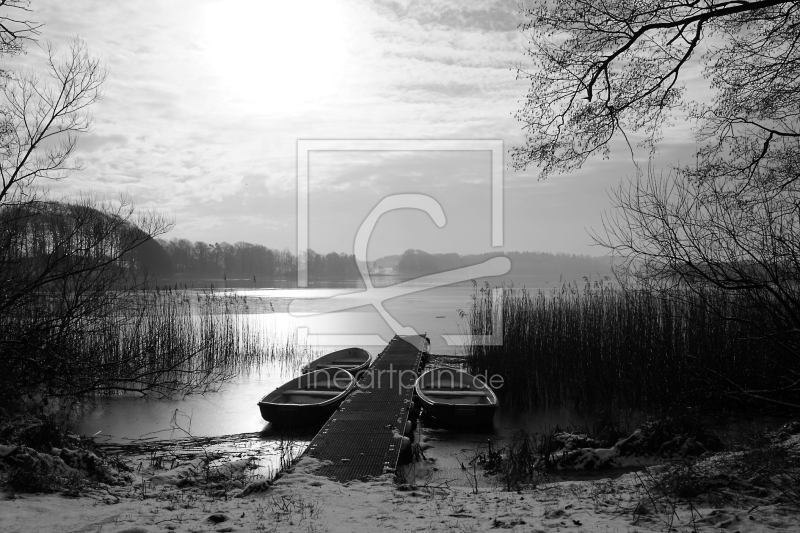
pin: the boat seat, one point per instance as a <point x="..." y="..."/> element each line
<point x="311" y="392"/>
<point x="453" y="393"/>
<point x="338" y="365"/>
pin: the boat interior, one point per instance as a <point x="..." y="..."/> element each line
<point x="447" y="390"/>
<point x="313" y="388"/>
<point x="459" y="397"/>
<point x="306" y="396"/>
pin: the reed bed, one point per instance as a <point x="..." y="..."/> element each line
<point x="601" y="346"/>
<point x="201" y="339"/>
<point x="214" y="325"/>
<point x="153" y="342"/>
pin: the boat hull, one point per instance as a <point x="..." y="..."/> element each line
<point x="453" y="397"/>
<point x="308" y="399"/>
<point x="458" y="415"/>
<point x="297" y="415"/>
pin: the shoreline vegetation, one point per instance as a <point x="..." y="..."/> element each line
<point x="157" y="343"/>
<point x="599" y="346"/>
<point x="181" y="261"/>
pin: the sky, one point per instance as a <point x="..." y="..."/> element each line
<point x="206" y="100"/>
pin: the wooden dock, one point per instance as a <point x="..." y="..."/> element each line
<point x="362" y="438"/>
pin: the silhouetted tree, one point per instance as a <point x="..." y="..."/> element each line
<point x="15" y="29"/>
<point x="607" y="68"/>
<point x="730" y="222"/>
<point x="678" y="233"/>
<point x="67" y="268"/>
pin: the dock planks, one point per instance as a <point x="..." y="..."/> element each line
<point x="360" y="438"/>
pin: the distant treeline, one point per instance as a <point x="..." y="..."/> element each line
<point x="186" y="259"/>
<point x="420" y="263"/>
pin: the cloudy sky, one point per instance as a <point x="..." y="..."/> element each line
<point x="206" y="100"/>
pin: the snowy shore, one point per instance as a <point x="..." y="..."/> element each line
<point x="193" y="498"/>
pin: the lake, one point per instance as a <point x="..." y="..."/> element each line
<point x="323" y="320"/>
<point x="311" y="317"/>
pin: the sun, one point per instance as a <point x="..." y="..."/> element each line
<point x="277" y="55"/>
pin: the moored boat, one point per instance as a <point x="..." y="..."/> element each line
<point x="308" y="399"/>
<point x="354" y="360"/>
<point x="455" y="397"/>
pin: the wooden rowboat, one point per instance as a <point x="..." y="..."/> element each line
<point x="455" y="397"/>
<point x="354" y="360"/>
<point x="308" y="399"/>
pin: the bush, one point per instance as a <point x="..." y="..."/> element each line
<point x="40" y="477"/>
<point x="42" y="432"/>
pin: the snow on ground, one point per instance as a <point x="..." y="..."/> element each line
<point x="300" y="501"/>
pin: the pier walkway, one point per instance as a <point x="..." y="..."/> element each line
<point x="362" y="438"/>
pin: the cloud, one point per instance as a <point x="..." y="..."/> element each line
<point x="181" y="129"/>
<point x="92" y="143"/>
<point x="485" y="15"/>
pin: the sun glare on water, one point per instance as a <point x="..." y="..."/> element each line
<point x="277" y="55"/>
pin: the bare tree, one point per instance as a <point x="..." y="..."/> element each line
<point x="15" y="29"/>
<point x="15" y="33"/>
<point x="729" y="223"/>
<point x="70" y="323"/>
<point x="44" y="120"/>
<point x="603" y="69"/>
<point x="694" y="238"/>
<point x="69" y="272"/>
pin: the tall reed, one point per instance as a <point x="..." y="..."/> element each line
<point x="200" y="338"/>
<point x="598" y="345"/>
<point x="151" y="342"/>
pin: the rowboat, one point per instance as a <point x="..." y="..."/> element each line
<point x="354" y="360"/>
<point x="455" y="397"/>
<point x="307" y="399"/>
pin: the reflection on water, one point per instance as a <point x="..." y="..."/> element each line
<point x="316" y="312"/>
<point x="226" y="423"/>
<point x="233" y="409"/>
